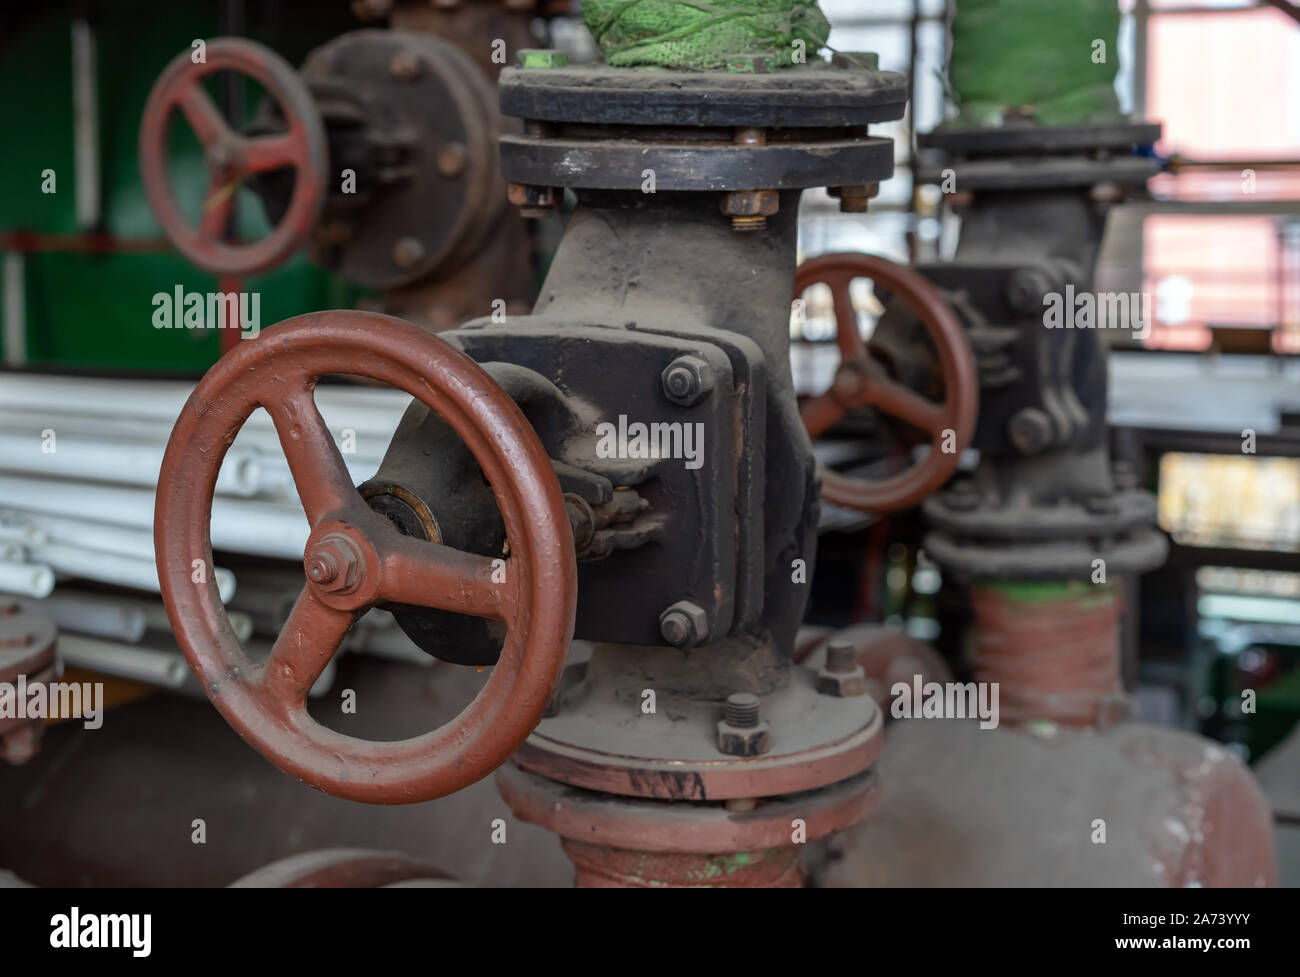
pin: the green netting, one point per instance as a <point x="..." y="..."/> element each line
<point x="1037" y="58"/>
<point x="700" y="36"/>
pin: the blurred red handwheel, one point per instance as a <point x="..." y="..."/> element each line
<point x="232" y="158"/>
<point x="861" y="380"/>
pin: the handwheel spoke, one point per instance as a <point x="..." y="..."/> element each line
<point x="216" y="211"/>
<point x="847" y="335"/>
<point x="264" y="153"/>
<point x="891" y="397"/>
<point x="415" y="571"/>
<point x="820" y="414"/>
<point x="203" y="115"/>
<point x="310" y="638"/>
<point x="319" y="474"/>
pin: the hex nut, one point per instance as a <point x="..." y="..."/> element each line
<point x="684" y="624"/>
<point x="1029" y="430"/>
<point x="842" y="684"/>
<point x="687" y="380"/>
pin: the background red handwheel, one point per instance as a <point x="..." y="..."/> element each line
<point x="861" y="380"/>
<point x="232" y="158"/>
<point x="355" y="557"/>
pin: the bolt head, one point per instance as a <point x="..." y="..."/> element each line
<point x="405" y="66"/>
<point x="684" y="624"/>
<point x="744" y="741"/>
<point x="452" y="158"/>
<point x="687" y="380"/>
<point x="842" y="684"/>
<point x="408" y="252"/>
<point x="1029" y="430"/>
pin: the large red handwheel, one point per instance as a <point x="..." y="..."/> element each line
<point x="861" y="380"/>
<point x="232" y="157"/>
<point x="355" y="557"/>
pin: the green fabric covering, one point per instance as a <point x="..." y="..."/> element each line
<point x="698" y="36"/>
<point x="1034" y="57"/>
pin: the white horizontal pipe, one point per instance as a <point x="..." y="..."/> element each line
<point x="116" y="568"/>
<point x="113" y="459"/>
<point x="164" y="669"/>
<point x="96" y="614"/>
<point x="84" y="534"/>
<point x="27" y="579"/>
<point x="14" y="528"/>
<point x="259" y="528"/>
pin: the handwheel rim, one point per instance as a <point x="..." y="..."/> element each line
<point x="541" y="568"/>
<point x="304" y="141"/>
<point x="959" y="409"/>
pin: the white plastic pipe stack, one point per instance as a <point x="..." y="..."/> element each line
<point x="26" y="579"/>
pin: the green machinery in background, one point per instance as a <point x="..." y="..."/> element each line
<point x="77" y="288"/>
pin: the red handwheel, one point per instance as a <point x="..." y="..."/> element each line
<point x="356" y="558"/>
<point x="861" y="380"/>
<point x="232" y="158"/>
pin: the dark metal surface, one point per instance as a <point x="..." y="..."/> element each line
<point x="620" y="164"/>
<point x="233" y="158"/>
<point x="356" y="558"/>
<point x="816" y="95"/>
<point x="1009" y="140"/>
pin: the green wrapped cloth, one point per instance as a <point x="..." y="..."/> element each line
<point x="1036" y="58"/>
<point x="697" y="36"/>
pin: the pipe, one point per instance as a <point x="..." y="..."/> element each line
<point x="166" y="670"/>
<point x="27" y="579"/>
<point x="114" y="460"/>
<point x="258" y="528"/>
<point x="96" y="615"/>
<point x="116" y="568"/>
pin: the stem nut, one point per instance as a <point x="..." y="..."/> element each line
<point x="684" y="624"/>
<point x="687" y="380"/>
<point x="335" y="564"/>
<point x="741" y="732"/>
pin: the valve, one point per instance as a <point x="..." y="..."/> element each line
<point x="232" y="157"/>
<point x="862" y="380"/>
<point x="356" y="558"/>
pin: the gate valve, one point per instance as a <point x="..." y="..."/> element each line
<point x="232" y="158"/>
<point x="356" y="558"/>
<point x="862" y="380"/>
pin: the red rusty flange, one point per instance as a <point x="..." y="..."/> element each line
<point x="343" y="868"/>
<point x="862" y="381"/>
<point x="355" y="557"/>
<point x="232" y="158"/>
<point x="27" y="648"/>
<point x="673" y="828"/>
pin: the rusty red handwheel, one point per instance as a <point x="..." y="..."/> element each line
<point x="355" y="557"/>
<point x="863" y="381"/>
<point x="232" y="158"/>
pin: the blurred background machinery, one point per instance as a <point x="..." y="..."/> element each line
<point x="1213" y="244"/>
